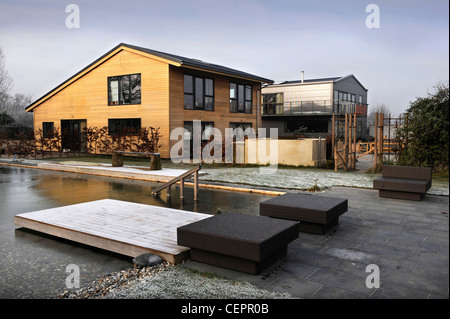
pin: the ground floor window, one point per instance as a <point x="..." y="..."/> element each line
<point x="306" y="125"/>
<point x="206" y="130"/>
<point x="240" y="125"/>
<point x="124" y="126"/>
<point x="48" y="129"/>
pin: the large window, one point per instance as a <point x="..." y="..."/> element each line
<point x="198" y="93"/>
<point x="124" y="126"/>
<point x="124" y="89"/>
<point x="240" y="98"/>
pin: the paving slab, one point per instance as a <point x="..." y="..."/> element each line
<point x="405" y="240"/>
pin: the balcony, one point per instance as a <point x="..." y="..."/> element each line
<point x="326" y="107"/>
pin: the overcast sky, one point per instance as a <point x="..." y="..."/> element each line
<point x="402" y="59"/>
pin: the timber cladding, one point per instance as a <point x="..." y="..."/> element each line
<point x="221" y="116"/>
<point x="85" y="96"/>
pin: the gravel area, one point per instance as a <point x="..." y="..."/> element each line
<point x="166" y="281"/>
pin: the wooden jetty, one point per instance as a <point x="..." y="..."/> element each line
<point x="122" y="227"/>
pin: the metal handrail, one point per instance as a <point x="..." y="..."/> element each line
<point x="314" y="107"/>
<point x="180" y="178"/>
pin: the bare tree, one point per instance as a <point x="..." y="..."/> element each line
<point x="12" y="106"/>
<point x="5" y="79"/>
<point x="379" y="108"/>
<point x="15" y="107"/>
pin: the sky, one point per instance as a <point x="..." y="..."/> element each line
<point x="403" y="57"/>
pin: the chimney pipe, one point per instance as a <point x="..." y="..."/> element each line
<point x="303" y="76"/>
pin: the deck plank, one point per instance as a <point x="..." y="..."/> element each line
<point x="123" y="227"/>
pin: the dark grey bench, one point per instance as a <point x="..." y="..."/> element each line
<point x="240" y="242"/>
<point x="403" y="182"/>
<point x="317" y="214"/>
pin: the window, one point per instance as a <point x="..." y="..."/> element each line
<point x="302" y="126"/>
<point x="198" y="93"/>
<point x="47" y="129"/>
<point x="206" y="129"/>
<point x="124" y="126"/>
<point x="243" y="126"/>
<point x="360" y="99"/>
<point x="240" y="98"/>
<point x="272" y="103"/>
<point x="125" y="89"/>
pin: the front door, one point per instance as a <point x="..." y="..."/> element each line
<point x="71" y="135"/>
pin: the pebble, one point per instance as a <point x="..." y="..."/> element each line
<point x="114" y="281"/>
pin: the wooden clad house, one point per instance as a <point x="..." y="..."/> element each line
<point x="133" y="87"/>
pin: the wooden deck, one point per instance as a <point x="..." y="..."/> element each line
<point x="122" y="227"/>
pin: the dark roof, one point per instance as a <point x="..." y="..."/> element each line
<point x="198" y="63"/>
<point x="168" y="56"/>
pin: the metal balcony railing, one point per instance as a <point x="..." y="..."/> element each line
<point x="313" y="107"/>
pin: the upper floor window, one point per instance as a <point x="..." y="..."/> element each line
<point x="240" y="98"/>
<point x="124" y="89"/>
<point x="198" y="93"/>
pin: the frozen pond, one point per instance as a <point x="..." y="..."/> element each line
<point x="33" y="265"/>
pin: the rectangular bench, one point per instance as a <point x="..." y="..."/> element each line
<point x="240" y="242"/>
<point x="403" y="182"/>
<point x="317" y="214"/>
<point x="155" y="158"/>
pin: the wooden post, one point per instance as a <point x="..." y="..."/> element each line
<point x="117" y="159"/>
<point x="350" y="140"/>
<point x="169" y="192"/>
<point x="381" y="139"/>
<point x="333" y="132"/>
<point x="335" y="158"/>
<point x="155" y="161"/>
<point x="389" y="138"/>
<point x="375" y="144"/>
<point x="320" y="151"/>
<point x="354" y="141"/>
<point x="346" y="142"/>
<point x="182" y="188"/>
<point x="196" y="186"/>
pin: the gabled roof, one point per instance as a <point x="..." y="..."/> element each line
<point x="321" y="80"/>
<point x="169" y="58"/>
<point x="195" y="63"/>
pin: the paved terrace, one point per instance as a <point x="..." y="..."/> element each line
<point x="407" y="240"/>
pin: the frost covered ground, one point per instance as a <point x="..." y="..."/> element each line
<point x="301" y="179"/>
<point x="282" y="177"/>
